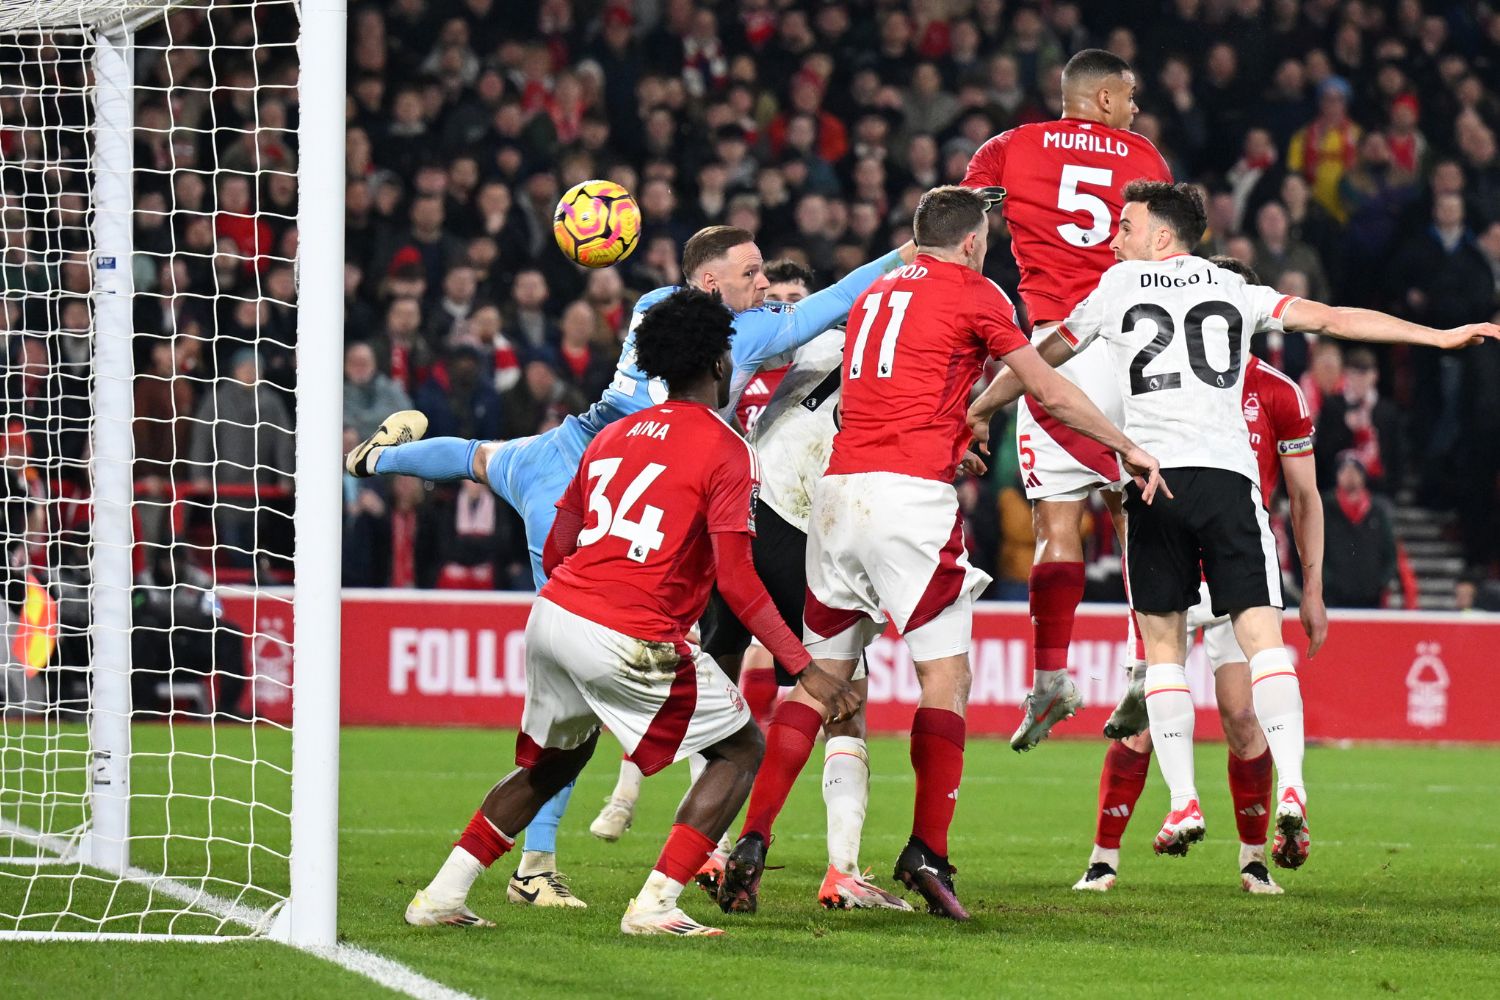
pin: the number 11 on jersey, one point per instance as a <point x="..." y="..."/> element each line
<point x="887" y="358"/>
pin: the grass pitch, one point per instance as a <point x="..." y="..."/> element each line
<point x="1400" y="895"/>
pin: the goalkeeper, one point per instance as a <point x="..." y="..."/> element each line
<point x="531" y="473"/>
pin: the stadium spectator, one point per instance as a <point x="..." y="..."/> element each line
<point x="1277" y="253"/>
<point x="369" y="395"/>
<point x="1359" y="562"/>
<point x="457" y="400"/>
<point x="1325" y="147"/>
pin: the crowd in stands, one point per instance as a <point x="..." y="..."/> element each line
<point x="1347" y="150"/>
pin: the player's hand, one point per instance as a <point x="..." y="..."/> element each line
<point x="994" y="197"/>
<point x="835" y="695"/>
<point x="1467" y="336"/>
<point x="1146" y="472"/>
<point x="1314" y="617"/>
<point x="979" y="427"/>
<point x="972" y="465"/>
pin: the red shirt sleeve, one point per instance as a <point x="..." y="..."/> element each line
<point x="987" y="165"/>
<point x="1291" y="419"/>
<point x="995" y="318"/>
<point x="732" y="487"/>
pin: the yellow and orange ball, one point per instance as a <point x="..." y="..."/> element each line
<point x="597" y="223"/>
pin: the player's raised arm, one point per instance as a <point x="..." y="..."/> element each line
<point x="761" y="338"/>
<point x="1375" y="327"/>
<point x="1006" y="387"/>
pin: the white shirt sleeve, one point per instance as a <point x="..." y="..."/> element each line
<point x="1267" y="307"/>
<point x="1086" y="321"/>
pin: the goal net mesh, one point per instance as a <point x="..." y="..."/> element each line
<point x="208" y="212"/>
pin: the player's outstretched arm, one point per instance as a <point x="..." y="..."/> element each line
<point x="1007" y="388"/>
<point x="1372" y="326"/>
<point x="746" y="596"/>
<point x="818" y="312"/>
<point x="1301" y="476"/>
<point x="562" y="540"/>
<point x="1067" y="403"/>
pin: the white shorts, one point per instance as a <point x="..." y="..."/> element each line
<point x="662" y="701"/>
<point x="886" y="546"/>
<point x="1057" y="462"/>
<point x="1219" y="643"/>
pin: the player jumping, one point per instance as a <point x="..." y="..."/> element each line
<point x="1281" y="434"/>
<point x="530" y="473"/>
<point x="1177" y="330"/>
<point x="662" y="504"/>
<point x="1062" y="181"/>
<point x="886" y="537"/>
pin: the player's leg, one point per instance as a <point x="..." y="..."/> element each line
<point x="1277" y="698"/>
<point x="758" y="682"/>
<point x="537" y="880"/>
<point x="1129" y="716"/>
<point x="558" y="733"/>
<point x="846" y="795"/>
<point x="1244" y="575"/>
<point x="1162" y="565"/>
<point x="1250" y="778"/>
<point x="1121" y="782"/>
<point x="397" y="448"/>
<point x="938" y="735"/>
<point x="1055" y="591"/>
<point x="646" y="713"/>
<point x="619" y="805"/>
<point x="705" y="813"/>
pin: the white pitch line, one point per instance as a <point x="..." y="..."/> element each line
<point x="387" y="972"/>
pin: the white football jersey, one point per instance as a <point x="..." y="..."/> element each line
<point x="794" y="434"/>
<point x="1178" y="332"/>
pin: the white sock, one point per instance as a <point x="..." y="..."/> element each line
<point x="536" y="862"/>
<point x="1109" y="855"/>
<point x="725" y="845"/>
<point x="1169" y="706"/>
<point x="1277" y="695"/>
<point x="451" y="885"/>
<point x="846" y="793"/>
<point x="1252" y="852"/>
<point x="628" y="785"/>
<point x="1046" y="680"/>
<point x="659" y="892"/>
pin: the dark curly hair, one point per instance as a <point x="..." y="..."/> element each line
<point x="1179" y="206"/>
<point x="683" y="336"/>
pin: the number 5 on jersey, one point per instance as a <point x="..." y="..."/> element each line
<point x="643" y="535"/>
<point x="892" y="332"/>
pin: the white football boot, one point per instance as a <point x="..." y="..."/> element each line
<point x="1182" y="829"/>
<point x="1293" y="842"/>
<point x="543" y="889"/>
<point x="401" y="427"/>
<point x="673" y="921"/>
<point x="613" y="820"/>
<point x="1044" y="710"/>
<point x="423" y="911"/>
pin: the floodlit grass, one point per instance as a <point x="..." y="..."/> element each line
<point x="1399" y="896"/>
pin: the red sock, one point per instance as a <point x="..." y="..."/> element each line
<point x="481" y="839"/>
<point x="1120" y="786"/>
<point x="937" y="757"/>
<point x="759" y="687"/>
<point x="788" y="745"/>
<point x="1250" y="788"/>
<point x="684" y="853"/>
<point x="1056" y="592"/>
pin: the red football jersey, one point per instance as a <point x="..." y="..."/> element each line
<point x="1062" y="181"/>
<point x="917" y="341"/>
<point x="757" y="394"/>
<point x="1279" y="421"/>
<point x="651" y="487"/>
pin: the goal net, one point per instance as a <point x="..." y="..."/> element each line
<point x="149" y="255"/>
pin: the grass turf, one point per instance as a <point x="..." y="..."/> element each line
<point x="1399" y="896"/>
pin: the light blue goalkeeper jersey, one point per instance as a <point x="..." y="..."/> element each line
<point x="531" y="473"/>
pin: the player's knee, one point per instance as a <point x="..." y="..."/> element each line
<point x="744" y="749"/>
<point x="1241" y="727"/>
<point x="854" y="726"/>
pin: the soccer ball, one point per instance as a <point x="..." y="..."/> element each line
<point x="597" y="223"/>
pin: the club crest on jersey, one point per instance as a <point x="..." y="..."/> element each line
<point x="1252" y="408"/>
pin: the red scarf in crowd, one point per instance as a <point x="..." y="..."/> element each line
<point x="1355" y="504"/>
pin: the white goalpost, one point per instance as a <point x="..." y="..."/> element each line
<point x="171" y="307"/>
